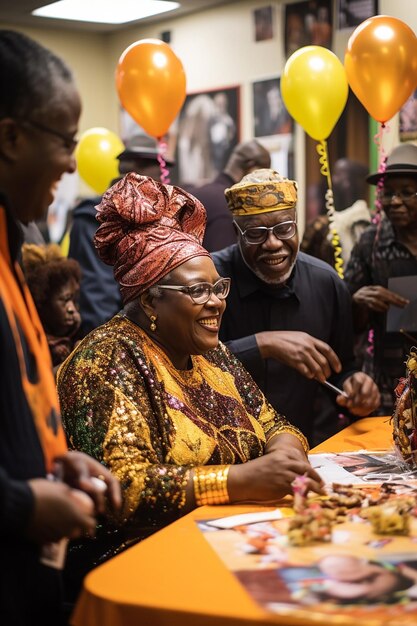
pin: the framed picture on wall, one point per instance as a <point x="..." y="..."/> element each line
<point x="408" y="118"/>
<point x="208" y="130"/>
<point x="308" y="24"/>
<point x="269" y="113"/>
<point x="272" y="124"/>
<point x="350" y="13"/>
<point x="263" y="23"/>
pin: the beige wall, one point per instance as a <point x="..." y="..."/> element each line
<point x="216" y="48"/>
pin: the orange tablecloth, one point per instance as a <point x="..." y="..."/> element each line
<point x="174" y="578"/>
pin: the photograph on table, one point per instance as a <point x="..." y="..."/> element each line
<point x="364" y="567"/>
<point x="307" y="23"/>
<point x="350" y="13"/>
<point x="208" y="130"/>
<point x="364" y="467"/>
<point x="263" y="22"/>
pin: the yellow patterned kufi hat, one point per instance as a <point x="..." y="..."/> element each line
<point x="261" y="191"/>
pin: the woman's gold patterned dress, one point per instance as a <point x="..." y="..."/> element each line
<point x="124" y="403"/>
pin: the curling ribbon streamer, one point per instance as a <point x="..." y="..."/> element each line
<point x="376" y="218"/>
<point x="162" y="151"/>
<point x="335" y="239"/>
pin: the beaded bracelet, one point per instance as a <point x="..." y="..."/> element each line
<point x="210" y="484"/>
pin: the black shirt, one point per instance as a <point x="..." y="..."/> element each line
<point x="314" y="300"/>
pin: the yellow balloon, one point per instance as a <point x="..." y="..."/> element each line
<point x="314" y="88"/>
<point x="96" y="157"/>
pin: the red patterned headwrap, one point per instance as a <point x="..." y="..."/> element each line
<point x="146" y="230"/>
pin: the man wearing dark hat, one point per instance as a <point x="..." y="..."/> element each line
<point x="99" y="294"/>
<point x="387" y="250"/>
<point x="288" y="316"/>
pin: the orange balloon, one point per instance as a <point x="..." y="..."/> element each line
<point x="150" y="81"/>
<point x="381" y="65"/>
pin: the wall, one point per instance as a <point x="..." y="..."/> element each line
<point x="217" y="49"/>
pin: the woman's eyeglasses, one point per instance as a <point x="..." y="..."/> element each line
<point x="70" y="143"/>
<point x="406" y="196"/>
<point x="259" y="234"/>
<point x="200" y="293"/>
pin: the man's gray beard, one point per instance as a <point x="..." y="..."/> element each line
<point x="278" y="283"/>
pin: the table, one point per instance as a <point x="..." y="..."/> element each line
<point x="160" y="583"/>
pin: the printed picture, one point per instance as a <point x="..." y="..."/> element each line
<point x="408" y="118"/>
<point x="270" y="115"/>
<point x="263" y="23"/>
<point x="363" y="467"/>
<point x="348" y="556"/>
<point x="352" y="12"/>
<point x="208" y="130"/>
<point x="308" y="24"/>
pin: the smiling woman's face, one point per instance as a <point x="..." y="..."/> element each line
<point x="183" y="327"/>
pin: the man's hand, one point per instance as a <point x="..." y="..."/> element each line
<point x="377" y="298"/>
<point x="77" y="469"/>
<point x="311" y="357"/>
<point x="362" y="395"/>
<point x="59" y="511"/>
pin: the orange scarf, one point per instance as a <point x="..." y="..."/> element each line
<point x="41" y="395"/>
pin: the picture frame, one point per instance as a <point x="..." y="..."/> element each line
<point x="263" y="21"/>
<point x="208" y="130"/>
<point x="351" y="13"/>
<point x="408" y="118"/>
<point x="308" y="23"/>
<point x="273" y="126"/>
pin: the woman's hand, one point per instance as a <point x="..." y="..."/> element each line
<point x="377" y="298"/>
<point x="269" y="478"/>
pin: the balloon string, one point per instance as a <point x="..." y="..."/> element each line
<point x="162" y="151"/>
<point x="376" y="218"/>
<point x="334" y="235"/>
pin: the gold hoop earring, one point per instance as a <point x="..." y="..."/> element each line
<point x="153" y="325"/>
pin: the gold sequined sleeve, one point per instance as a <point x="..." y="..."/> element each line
<point x="272" y="422"/>
<point x="108" y="412"/>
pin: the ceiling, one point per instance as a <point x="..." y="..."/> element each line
<point x="18" y="12"/>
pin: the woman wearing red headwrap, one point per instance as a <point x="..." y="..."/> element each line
<point x="152" y="394"/>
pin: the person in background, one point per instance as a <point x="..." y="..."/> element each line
<point x="351" y="215"/>
<point x="152" y="394"/>
<point x="39" y="112"/>
<point x="289" y="315"/>
<point x="245" y="157"/>
<point x="54" y="283"/>
<point x="385" y="251"/>
<point x="99" y="293"/>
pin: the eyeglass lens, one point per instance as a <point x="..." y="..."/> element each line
<point x="283" y="230"/>
<point x="406" y="195"/>
<point x="201" y="292"/>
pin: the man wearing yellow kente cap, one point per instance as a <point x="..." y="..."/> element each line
<point x="288" y="316"/>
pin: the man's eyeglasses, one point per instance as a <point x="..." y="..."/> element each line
<point x="406" y="196"/>
<point x="70" y="143"/>
<point x="259" y="234"/>
<point x="200" y="293"/>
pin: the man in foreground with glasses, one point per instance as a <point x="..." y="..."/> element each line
<point x="152" y="393"/>
<point x="383" y="262"/>
<point x="289" y="315"/>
